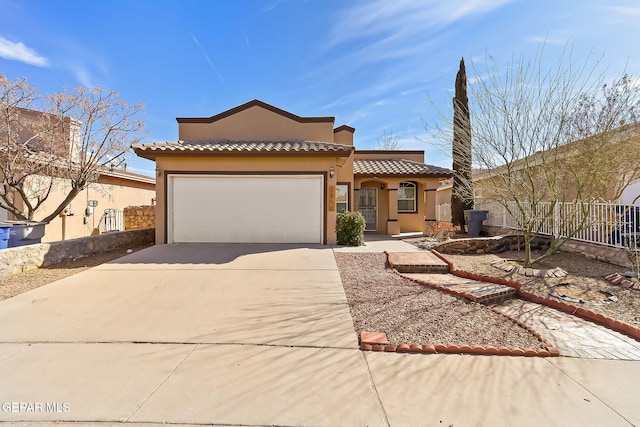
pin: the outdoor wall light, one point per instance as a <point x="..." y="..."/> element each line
<point x="382" y="186"/>
<point x="331" y="172"/>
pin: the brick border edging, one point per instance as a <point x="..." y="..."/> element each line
<point x="620" y="280"/>
<point x="462" y="349"/>
<point x="600" y="319"/>
<point x="548" y="351"/>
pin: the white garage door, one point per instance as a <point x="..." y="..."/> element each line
<point x="245" y="208"/>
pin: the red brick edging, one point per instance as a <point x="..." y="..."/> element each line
<point x="376" y="341"/>
<point x="383" y="345"/>
<point x="583" y="313"/>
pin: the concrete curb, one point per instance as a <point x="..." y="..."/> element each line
<point x="583" y="313"/>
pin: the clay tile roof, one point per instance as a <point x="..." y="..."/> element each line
<point x="399" y="167"/>
<point x="241" y="147"/>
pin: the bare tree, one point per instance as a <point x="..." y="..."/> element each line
<point x="462" y="188"/>
<point x="62" y="141"/>
<point x="550" y="143"/>
<point x="388" y="141"/>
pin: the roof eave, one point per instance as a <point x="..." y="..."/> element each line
<point x="402" y="175"/>
<point x="153" y="154"/>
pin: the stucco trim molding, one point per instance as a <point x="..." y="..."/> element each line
<point x="255" y="103"/>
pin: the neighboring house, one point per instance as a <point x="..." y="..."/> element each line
<point x="256" y="173"/>
<point x="631" y="194"/>
<point x="624" y="189"/>
<point x="114" y="190"/>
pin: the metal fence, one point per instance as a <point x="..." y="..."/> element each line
<point x="111" y="220"/>
<point x="609" y="224"/>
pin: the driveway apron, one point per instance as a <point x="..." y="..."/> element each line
<point x="190" y="333"/>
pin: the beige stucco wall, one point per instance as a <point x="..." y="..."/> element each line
<point x="250" y="165"/>
<point x="443" y="195"/>
<point x="416" y="156"/>
<point x="256" y="124"/>
<point x="343" y="136"/>
<point x="344" y="169"/>
<point x="110" y="192"/>
<point x="408" y="222"/>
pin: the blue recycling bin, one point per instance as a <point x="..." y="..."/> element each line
<point x="5" y="231"/>
<point x="23" y="233"/>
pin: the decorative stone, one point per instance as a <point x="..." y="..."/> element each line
<point x="428" y="349"/>
<point x="23" y="258"/>
<point x="415" y="348"/>
<point x="404" y="347"/>
<point x="136" y="217"/>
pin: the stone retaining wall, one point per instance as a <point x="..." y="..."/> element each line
<point x="23" y="258"/>
<point x="489" y="245"/>
<point x="617" y="256"/>
<point x="514" y="242"/>
<point x="136" y="217"/>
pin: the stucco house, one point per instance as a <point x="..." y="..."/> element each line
<point x="256" y="173"/>
<point x="111" y="193"/>
<point x="98" y="207"/>
<point x="623" y="188"/>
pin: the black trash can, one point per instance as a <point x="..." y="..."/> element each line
<point x="474" y="219"/>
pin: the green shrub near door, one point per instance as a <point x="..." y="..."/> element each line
<point x="350" y="228"/>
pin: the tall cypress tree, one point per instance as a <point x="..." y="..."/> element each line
<point x="462" y="191"/>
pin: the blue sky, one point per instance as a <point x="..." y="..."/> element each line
<point x="375" y="65"/>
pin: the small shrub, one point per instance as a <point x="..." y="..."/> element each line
<point x="439" y="231"/>
<point x="350" y="228"/>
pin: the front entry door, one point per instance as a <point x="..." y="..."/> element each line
<point x="368" y="206"/>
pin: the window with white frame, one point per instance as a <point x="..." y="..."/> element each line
<point x="342" y="198"/>
<point x="407" y="197"/>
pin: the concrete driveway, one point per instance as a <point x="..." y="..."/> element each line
<point x="261" y="335"/>
<point x="195" y="293"/>
<point x="197" y="333"/>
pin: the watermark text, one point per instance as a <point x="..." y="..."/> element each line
<point x="27" y="407"/>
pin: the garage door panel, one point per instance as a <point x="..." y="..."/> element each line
<point x="260" y="209"/>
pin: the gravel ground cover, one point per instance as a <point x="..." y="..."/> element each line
<point x="583" y="272"/>
<point x="14" y="284"/>
<point x="407" y="312"/>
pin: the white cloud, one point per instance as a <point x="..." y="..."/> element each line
<point x="626" y="10"/>
<point x="546" y="40"/>
<point x="404" y="18"/>
<point x="20" y="52"/>
<point x="82" y="75"/>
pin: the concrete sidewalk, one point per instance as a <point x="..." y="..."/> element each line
<point x="573" y="336"/>
<point x="374" y="242"/>
<point x="260" y="335"/>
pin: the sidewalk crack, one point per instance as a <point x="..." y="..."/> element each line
<point x="589" y="392"/>
<point x="375" y="390"/>
<point x="161" y="383"/>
